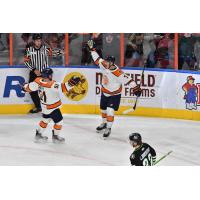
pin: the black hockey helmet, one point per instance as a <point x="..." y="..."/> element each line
<point x="46" y="73"/>
<point x="135" y="137"/>
<point x="37" y="36"/>
<point x="110" y="59"/>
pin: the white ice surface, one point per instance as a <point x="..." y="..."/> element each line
<point x="85" y="147"/>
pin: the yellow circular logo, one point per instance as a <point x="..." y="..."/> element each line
<point x="79" y="91"/>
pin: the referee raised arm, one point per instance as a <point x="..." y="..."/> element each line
<point x="36" y="59"/>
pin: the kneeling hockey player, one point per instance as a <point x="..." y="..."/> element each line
<point x="112" y="81"/>
<point x="144" y="154"/>
<point x="48" y="91"/>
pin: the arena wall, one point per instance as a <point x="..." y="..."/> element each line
<point x="162" y="96"/>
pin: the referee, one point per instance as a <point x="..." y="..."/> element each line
<point x="36" y="59"/>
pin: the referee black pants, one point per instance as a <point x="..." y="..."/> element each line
<point x="34" y="95"/>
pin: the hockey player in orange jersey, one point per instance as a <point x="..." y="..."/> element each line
<point x="48" y="91"/>
<point x="112" y="83"/>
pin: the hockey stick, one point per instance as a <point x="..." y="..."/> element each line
<point x="134" y="107"/>
<point x="163" y="157"/>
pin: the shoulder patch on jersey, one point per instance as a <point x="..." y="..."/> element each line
<point x="44" y="84"/>
<point x="118" y="72"/>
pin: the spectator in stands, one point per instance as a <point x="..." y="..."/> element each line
<point x="75" y="48"/>
<point x="78" y="50"/>
<point x="162" y="54"/>
<point x="4" y="48"/>
<point x="27" y="39"/>
<point x="149" y="48"/>
<point x="187" y="58"/>
<point x="4" y="41"/>
<point x="171" y="50"/>
<point x="197" y="51"/>
<point x="86" y="58"/>
<point x="20" y="43"/>
<point x="72" y="36"/>
<point x="111" y="46"/>
<point x="55" y="42"/>
<point x="134" y="50"/>
<point x="158" y="50"/>
<point x="146" y="48"/>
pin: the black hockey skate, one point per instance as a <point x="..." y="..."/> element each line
<point x="57" y="138"/>
<point x="40" y="138"/>
<point x="101" y="127"/>
<point x="106" y="133"/>
<point x="35" y="110"/>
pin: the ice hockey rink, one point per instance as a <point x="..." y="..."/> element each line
<point x="84" y="146"/>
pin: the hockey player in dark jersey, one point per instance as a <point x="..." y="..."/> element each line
<point x="144" y="154"/>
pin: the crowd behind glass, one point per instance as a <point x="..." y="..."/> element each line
<point x="156" y="50"/>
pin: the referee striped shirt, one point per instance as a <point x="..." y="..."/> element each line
<point x="37" y="58"/>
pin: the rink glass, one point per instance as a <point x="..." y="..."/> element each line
<point x="155" y="49"/>
<point x="4" y="48"/>
<point x="106" y="44"/>
<point x="158" y="50"/>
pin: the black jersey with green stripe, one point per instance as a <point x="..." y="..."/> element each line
<point x="144" y="155"/>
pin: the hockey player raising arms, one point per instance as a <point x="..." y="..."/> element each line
<point x="112" y="81"/>
<point x="48" y="91"/>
